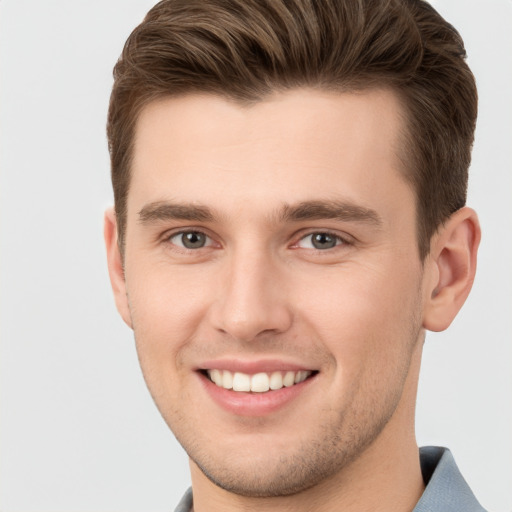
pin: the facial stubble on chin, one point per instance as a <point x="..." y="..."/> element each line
<point x="291" y="474"/>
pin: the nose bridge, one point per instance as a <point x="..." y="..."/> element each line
<point x="251" y="299"/>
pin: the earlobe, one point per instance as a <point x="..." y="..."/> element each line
<point x="451" y="268"/>
<point x="115" y="266"/>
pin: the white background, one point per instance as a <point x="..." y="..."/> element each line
<point x="78" y="429"/>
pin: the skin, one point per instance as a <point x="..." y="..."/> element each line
<point x="355" y="312"/>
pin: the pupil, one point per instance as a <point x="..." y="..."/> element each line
<point x="193" y="240"/>
<point x="323" y="241"/>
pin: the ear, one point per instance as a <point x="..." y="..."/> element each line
<point x="115" y="266"/>
<point x="451" y="268"/>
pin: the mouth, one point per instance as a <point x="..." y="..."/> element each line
<point x="257" y="387"/>
<point x="262" y="382"/>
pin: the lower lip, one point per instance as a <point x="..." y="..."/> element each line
<point x="254" y="404"/>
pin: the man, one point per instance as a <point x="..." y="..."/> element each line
<point x="290" y="182"/>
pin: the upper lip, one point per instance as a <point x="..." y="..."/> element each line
<point x="254" y="366"/>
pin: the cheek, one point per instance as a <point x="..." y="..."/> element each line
<point x="367" y="317"/>
<point x="165" y="298"/>
<point x="166" y="308"/>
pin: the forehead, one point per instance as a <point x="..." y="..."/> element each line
<point x="294" y="146"/>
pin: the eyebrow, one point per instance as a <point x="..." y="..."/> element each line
<point x="163" y="210"/>
<point x="336" y="210"/>
<point x="305" y="210"/>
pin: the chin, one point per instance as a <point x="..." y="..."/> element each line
<point x="271" y="471"/>
<point x="282" y="477"/>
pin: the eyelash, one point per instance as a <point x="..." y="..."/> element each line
<point x="170" y="236"/>
<point x="340" y="240"/>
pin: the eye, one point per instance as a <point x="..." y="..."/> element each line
<point x="191" y="240"/>
<point x="320" y="241"/>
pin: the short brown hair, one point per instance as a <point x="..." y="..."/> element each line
<point x="246" y="49"/>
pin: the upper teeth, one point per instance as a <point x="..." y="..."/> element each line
<point x="259" y="382"/>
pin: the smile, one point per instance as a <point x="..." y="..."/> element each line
<point x="259" y="382"/>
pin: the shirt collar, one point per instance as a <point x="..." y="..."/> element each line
<point x="446" y="490"/>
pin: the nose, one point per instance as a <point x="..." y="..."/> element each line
<point x="252" y="299"/>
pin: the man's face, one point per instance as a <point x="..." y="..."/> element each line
<point x="267" y="244"/>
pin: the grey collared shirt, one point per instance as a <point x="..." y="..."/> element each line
<point x="445" y="491"/>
